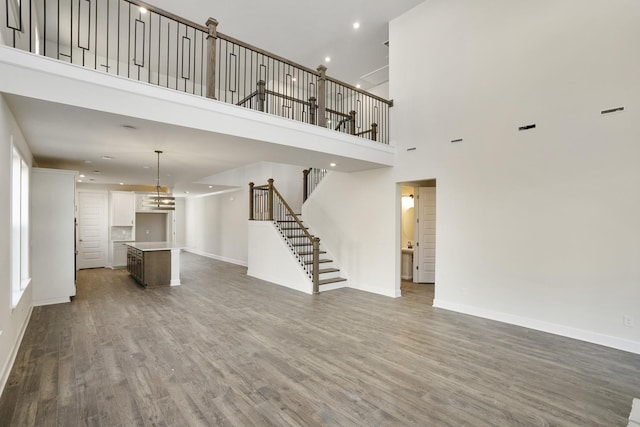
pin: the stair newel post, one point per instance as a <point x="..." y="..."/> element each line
<point x="305" y="184"/>
<point x="374" y="131"/>
<point x="352" y="122"/>
<point x="313" y="109"/>
<point x="251" y="218"/>
<point x="262" y="94"/>
<point x="322" y="96"/>
<point x="212" y="39"/>
<point x="270" y="199"/>
<point x="316" y="265"/>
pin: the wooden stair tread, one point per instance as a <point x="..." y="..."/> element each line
<point x="328" y="270"/>
<point x="319" y="261"/>
<point x="310" y="253"/>
<point x="332" y="280"/>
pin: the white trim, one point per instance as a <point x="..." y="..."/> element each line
<point x="538" y="325"/>
<point x="6" y="369"/>
<point x="51" y="301"/>
<point x="217" y="257"/>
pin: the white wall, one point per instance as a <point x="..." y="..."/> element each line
<point x="216" y="225"/>
<point x="356" y="216"/>
<point x="541" y="227"/>
<point x="272" y="260"/>
<point x="12" y="322"/>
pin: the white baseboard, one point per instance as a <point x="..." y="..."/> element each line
<point x="6" y="370"/>
<point x="393" y="293"/>
<point x="552" y="328"/>
<point x="217" y="257"/>
<point x="51" y="301"/>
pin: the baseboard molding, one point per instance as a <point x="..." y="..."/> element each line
<point x="6" y="370"/>
<point x="393" y="293"/>
<point x="217" y="257"/>
<point x="51" y="301"/>
<point x="538" y="325"/>
<point x="274" y="281"/>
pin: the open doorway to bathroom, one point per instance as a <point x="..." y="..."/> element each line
<point x="418" y="238"/>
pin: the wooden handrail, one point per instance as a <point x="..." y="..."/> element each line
<point x="338" y="113"/>
<point x="361" y="91"/>
<point x="315" y="241"/>
<point x="266" y="53"/>
<point x="292" y="214"/>
<point x="278" y="94"/>
<point x="169" y="15"/>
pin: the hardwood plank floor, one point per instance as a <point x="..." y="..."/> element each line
<point x="225" y="349"/>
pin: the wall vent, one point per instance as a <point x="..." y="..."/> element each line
<point x="612" y="110"/>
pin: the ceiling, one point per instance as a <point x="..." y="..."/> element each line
<point x="111" y="149"/>
<point x="306" y="31"/>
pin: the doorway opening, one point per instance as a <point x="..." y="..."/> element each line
<point x="418" y="239"/>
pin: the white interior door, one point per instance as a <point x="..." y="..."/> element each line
<point x="427" y="235"/>
<point x="92" y="229"/>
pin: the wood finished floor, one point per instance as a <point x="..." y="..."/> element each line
<point x="225" y="349"/>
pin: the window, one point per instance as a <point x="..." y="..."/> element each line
<point x="20" y="268"/>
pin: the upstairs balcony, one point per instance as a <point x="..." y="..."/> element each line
<point x="132" y="39"/>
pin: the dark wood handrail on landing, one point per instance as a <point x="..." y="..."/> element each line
<point x="276" y="209"/>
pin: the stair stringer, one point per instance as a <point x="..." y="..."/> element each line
<point x="308" y="271"/>
<point x="270" y="258"/>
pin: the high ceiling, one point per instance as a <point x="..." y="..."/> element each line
<point x="305" y="32"/>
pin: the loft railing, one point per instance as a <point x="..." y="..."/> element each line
<point x="267" y="204"/>
<point x="122" y="37"/>
<point x="310" y="179"/>
<point x="133" y="39"/>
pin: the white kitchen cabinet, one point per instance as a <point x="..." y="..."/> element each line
<point x="119" y="254"/>
<point x="123" y="209"/>
<point x="52" y="235"/>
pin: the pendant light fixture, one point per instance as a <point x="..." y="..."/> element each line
<point x="161" y="200"/>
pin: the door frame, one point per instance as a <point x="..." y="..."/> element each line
<point x="104" y="238"/>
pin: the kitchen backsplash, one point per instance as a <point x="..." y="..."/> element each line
<point x="121" y="233"/>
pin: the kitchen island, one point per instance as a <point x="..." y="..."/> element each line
<point x="154" y="264"/>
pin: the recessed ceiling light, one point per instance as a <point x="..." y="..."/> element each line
<point x="143" y="10"/>
<point x="107" y="158"/>
<point x="81" y="176"/>
<point x="358" y="86"/>
<point x="327" y="59"/>
<point x="211" y="186"/>
<point x="122" y="183"/>
<point x="333" y="165"/>
<point x="186" y="192"/>
<point x="79" y="180"/>
<point x="356" y="25"/>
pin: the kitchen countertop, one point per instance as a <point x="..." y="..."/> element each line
<point x="155" y="246"/>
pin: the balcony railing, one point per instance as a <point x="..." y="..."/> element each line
<point x="132" y="39"/>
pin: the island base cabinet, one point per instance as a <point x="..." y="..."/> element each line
<point x="149" y="268"/>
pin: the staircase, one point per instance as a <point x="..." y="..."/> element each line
<point x="267" y="204"/>
<point x="292" y="231"/>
